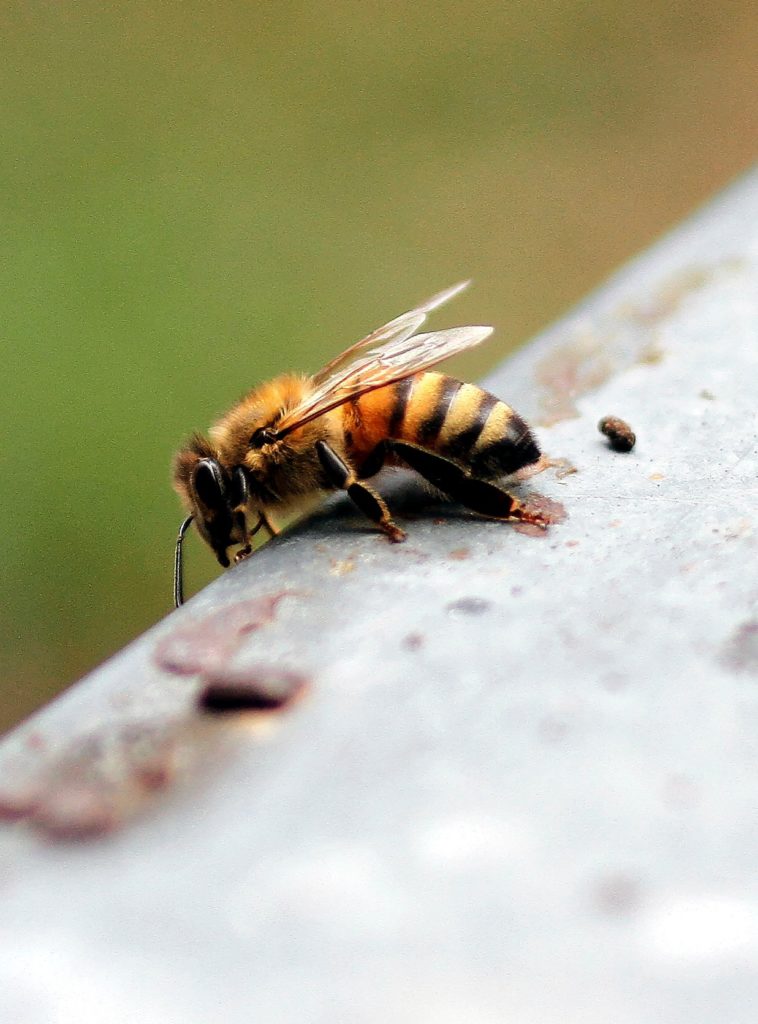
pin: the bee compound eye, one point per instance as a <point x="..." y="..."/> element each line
<point x="208" y="483"/>
<point x="239" y="493"/>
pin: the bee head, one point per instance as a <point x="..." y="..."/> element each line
<point x="217" y="498"/>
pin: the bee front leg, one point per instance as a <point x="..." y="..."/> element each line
<point x="341" y="476"/>
<point x="268" y="524"/>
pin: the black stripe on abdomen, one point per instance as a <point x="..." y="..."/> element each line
<point x="429" y="428"/>
<point x="401" y="396"/>
<point x="513" y="450"/>
<point x="459" y="445"/>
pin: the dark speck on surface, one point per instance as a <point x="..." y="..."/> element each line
<point x="617" y="895"/>
<point x="258" y="688"/>
<point x="413" y="641"/>
<point x="741" y="650"/>
<point x="469" y="606"/>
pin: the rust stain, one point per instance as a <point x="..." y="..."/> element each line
<point x="342" y="566"/>
<point x="551" y="511"/>
<point x="569" y="371"/>
<point x="207" y="643"/>
<point x="664" y="302"/>
<point x="459" y="554"/>
<point x="563" y="467"/>
<point x="98" y="782"/>
<point x="594" y="354"/>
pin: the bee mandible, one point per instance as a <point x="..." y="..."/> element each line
<point x="374" y="405"/>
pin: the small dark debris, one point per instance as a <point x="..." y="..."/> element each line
<point x="413" y="641"/>
<point x="707" y="395"/>
<point x="249" y="689"/>
<point x="460" y="554"/>
<point x="469" y="605"/>
<point x="619" y="433"/>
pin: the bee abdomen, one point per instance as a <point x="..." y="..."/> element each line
<point x="462" y="422"/>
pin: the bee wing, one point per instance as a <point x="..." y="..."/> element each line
<point x="402" y="326"/>
<point x="399" y="358"/>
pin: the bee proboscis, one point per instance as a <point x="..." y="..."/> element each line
<point x="375" y="404"/>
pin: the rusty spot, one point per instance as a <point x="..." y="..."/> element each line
<point x="742" y="528"/>
<point x="76" y="811"/>
<point x="342" y="566"/>
<point x="469" y="606"/>
<point x="740" y="653"/>
<point x="257" y="688"/>
<point x="204" y="644"/>
<point x="651" y="355"/>
<point x="569" y="371"/>
<point x="663" y="303"/>
<point x="563" y="467"/>
<point x="551" y="511"/>
<point x="572" y="544"/>
<point x="618" y="432"/>
<point x="99" y="781"/>
<point x="19" y="798"/>
<point x="459" y="554"/>
<point x="593" y="354"/>
<point x="657" y="476"/>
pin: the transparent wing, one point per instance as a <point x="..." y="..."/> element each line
<point x="402" y="326"/>
<point x="396" y="359"/>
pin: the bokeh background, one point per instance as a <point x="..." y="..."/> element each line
<point x="196" y="196"/>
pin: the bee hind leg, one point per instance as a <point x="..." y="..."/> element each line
<point x="341" y="476"/>
<point x="478" y="495"/>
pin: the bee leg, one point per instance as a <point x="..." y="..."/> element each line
<point x="368" y="501"/>
<point x="478" y="495"/>
<point x="268" y="524"/>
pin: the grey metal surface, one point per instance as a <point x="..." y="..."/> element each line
<point x="521" y="782"/>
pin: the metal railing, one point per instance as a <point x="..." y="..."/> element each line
<point x="498" y="776"/>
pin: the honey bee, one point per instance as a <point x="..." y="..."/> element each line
<point x="374" y="405"/>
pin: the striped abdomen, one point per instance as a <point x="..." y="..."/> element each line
<point x="458" y="421"/>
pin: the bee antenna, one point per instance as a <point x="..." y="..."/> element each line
<point x="178" y="582"/>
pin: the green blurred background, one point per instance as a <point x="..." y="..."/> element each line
<point x="196" y="196"/>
